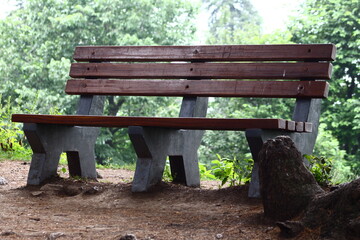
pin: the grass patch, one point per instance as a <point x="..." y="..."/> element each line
<point x="130" y="167"/>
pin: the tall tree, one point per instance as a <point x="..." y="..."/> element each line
<point x="37" y="42"/>
<point x="229" y="17"/>
<point x="338" y="22"/>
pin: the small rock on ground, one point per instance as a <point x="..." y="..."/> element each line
<point x="92" y="190"/>
<point x="3" y="181"/>
<point x="37" y="193"/>
<point x="128" y="237"/>
<point x="7" y="233"/>
<point x="56" y="235"/>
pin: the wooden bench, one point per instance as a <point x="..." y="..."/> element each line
<point x="194" y="73"/>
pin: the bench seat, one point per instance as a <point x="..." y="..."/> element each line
<point x="197" y="123"/>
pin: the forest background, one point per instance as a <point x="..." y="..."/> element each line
<point x="38" y="38"/>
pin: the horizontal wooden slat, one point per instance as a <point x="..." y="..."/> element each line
<point x="205" y="88"/>
<point x="176" y="123"/>
<point x="288" y="52"/>
<point x="203" y="70"/>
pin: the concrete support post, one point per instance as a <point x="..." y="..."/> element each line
<point x="49" y="141"/>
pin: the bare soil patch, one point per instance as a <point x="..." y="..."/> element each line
<point x="73" y="209"/>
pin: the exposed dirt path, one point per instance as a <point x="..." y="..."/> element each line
<point x="69" y="209"/>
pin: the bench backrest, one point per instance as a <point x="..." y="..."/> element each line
<point x="280" y="71"/>
<point x="263" y="62"/>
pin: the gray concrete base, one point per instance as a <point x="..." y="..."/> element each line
<point x="154" y="145"/>
<point x="49" y="141"/>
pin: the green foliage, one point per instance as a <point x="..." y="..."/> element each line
<point x="238" y="22"/>
<point x="130" y="167"/>
<point x="341" y="172"/>
<point x="11" y="137"/>
<point x="328" y="147"/>
<point x="321" y="168"/>
<point x="167" y="176"/>
<point x="63" y="170"/>
<point x="63" y="159"/>
<point x="328" y="171"/>
<point x="39" y="38"/>
<point x="223" y="170"/>
<point x="232" y="171"/>
<point x="205" y="174"/>
<point x="37" y="42"/>
<point x="342" y="119"/>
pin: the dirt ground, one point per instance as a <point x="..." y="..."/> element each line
<point x="73" y="209"/>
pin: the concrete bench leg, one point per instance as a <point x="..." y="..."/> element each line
<point x="151" y="147"/>
<point x="154" y="145"/>
<point x="49" y="141"/>
<point x="183" y="155"/>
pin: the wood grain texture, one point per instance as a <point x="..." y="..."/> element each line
<point x="175" y="123"/>
<point x="203" y="70"/>
<point x="286" y="52"/>
<point x="204" y="88"/>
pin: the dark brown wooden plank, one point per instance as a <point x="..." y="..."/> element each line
<point x="287" y="52"/>
<point x="203" y="70"/>
<point x="176" y="123"/>
<point x="205" y="88"/>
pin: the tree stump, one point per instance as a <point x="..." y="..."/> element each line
<point x="289" y="189"/>
<point x="286" y="185"/>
